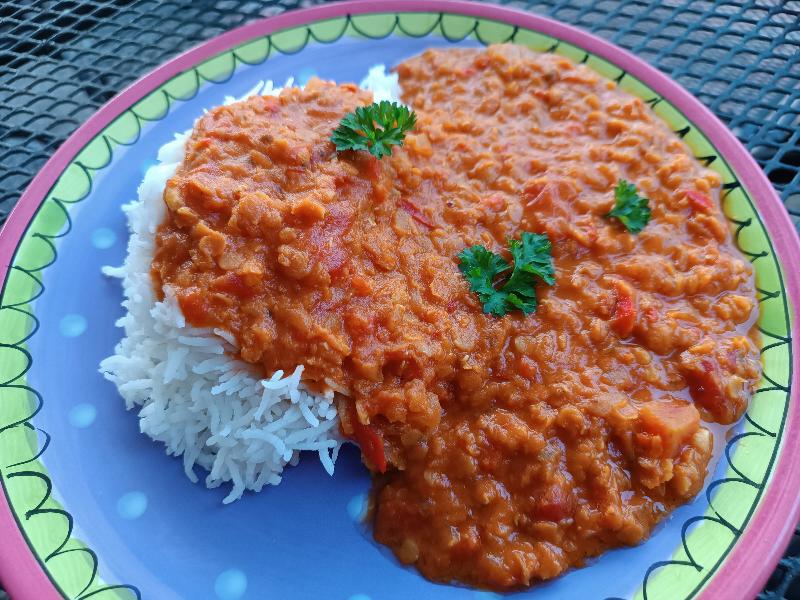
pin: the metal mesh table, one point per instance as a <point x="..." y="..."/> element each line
<point x="61" y="59"/>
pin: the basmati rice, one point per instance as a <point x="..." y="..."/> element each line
<point x="192" y="395"/>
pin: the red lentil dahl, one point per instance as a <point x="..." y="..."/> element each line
<point x="508" y="449"/>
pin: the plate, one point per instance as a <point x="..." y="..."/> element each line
<point x="92" y="509"/>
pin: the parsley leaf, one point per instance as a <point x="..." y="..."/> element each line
<point x="480" y="267"/>
<point x="532" y="259"/>
<point x="630" y="208"/>
<point x="376" y="128"/>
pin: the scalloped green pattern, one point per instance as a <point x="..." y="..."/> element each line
<point x="48" y="527"/>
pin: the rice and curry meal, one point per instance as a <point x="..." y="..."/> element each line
<point x="507" y="281"/>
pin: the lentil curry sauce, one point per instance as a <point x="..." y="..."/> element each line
<point x="505" y="449"/>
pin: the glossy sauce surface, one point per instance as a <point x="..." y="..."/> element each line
<point x="515" y="447"/>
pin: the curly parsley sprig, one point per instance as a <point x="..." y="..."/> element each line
<point x="375" y="128"/>
<point x="482" y="268"/>
<point x="630" y="208"/>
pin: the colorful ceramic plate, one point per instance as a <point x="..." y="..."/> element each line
<point x="92" y="509"/>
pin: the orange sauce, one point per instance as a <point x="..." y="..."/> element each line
<point x="513" y="447"/>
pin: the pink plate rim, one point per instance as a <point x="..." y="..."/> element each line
<point x="760" y="546"/>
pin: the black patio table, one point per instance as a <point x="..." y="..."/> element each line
<point x="61" y="59"/>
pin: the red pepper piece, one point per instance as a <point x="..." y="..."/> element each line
<point x="699" y="202"/>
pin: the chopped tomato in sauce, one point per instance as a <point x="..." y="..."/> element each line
<point x="624" y="312"/>
<point x="700" y="202"/>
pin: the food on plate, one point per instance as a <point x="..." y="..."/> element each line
<point x="518" y="295"/>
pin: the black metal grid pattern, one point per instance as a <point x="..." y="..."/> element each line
<point x="61" y="59"/>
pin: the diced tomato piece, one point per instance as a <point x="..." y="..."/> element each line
<point x="699" y="202"/>
<point x="555" y="504"/>
<point x="371" y="444"/>
<point x="547" y="194"/>
<point x="494" y="202"/>
<point x="624" y="312"/>
<point x="233" y="284"/>
<point x="415" y="213"/>
<point x="368" y="439"/>
<point x="327" y="239"/>
<point x="672" y="420"/>
<point x="706" y="388"/>
<point x="195" y="307"/>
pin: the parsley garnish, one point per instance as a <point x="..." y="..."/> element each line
<point x="532" y="259"/>
<point x="630" y="208"/>
<point x="376" y="128"/>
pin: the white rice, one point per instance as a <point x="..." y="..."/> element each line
<point x="192" y="396"/>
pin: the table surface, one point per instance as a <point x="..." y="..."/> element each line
<point x="61" y="59"/>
